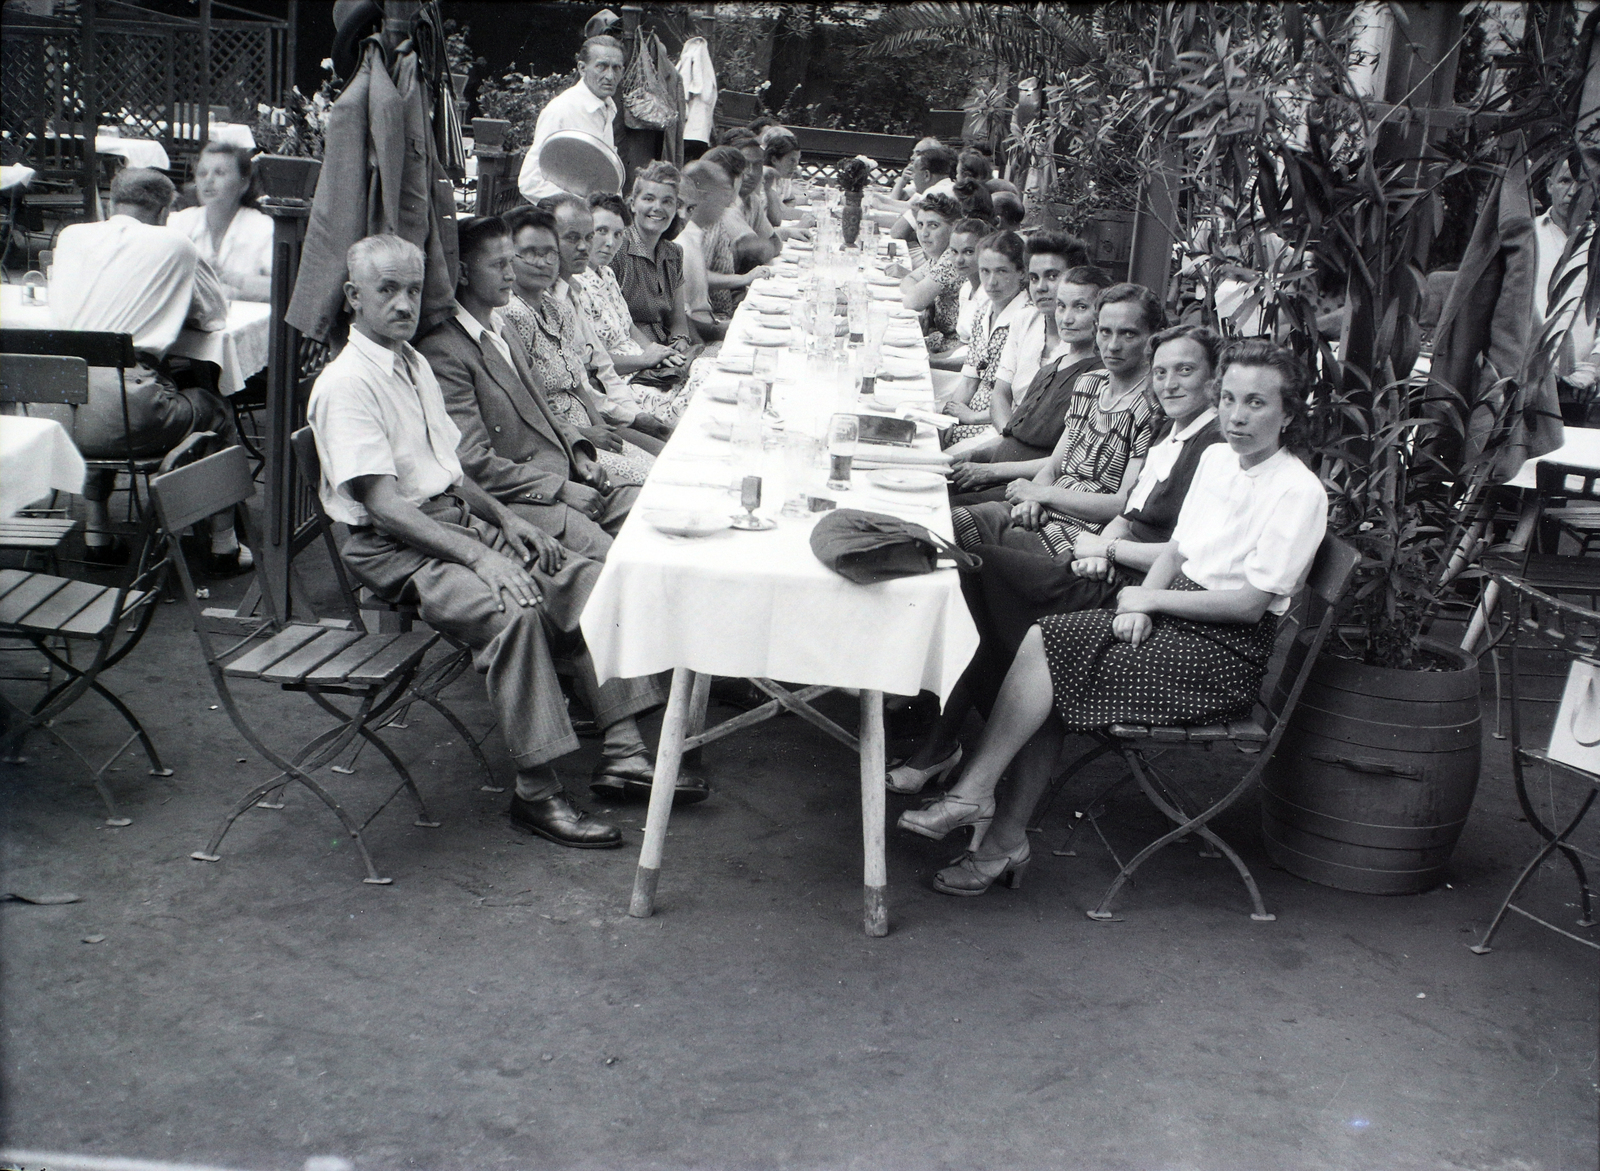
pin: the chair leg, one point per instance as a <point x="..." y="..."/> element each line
<point x="1553" y="843"/>
<point x="1059" y="782"/>
<point x="424" y="818"/>
<point x="1184" y="826"/>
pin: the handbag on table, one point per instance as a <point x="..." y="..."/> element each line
<point x="869" y="547"/>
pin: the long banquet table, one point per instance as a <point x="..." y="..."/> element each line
<point x="238" y="349"/>
<point x="759" y="605"/>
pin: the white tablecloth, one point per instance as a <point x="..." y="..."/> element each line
<point x="139" y="152"/>
<point x="15" y="175"/>
<point x="1581" y="449"/>
<point x="239" y="348"/>
<point x="37" y="457"/>
<point x="759" y="604"/>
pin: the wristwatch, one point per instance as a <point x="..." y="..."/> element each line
<point x="1111" y="551"/>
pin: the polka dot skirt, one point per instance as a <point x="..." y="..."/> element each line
<point x="1184" y="673"/>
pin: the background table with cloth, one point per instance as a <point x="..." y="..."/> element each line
<point x="759" y="605"/>
<point x="238" y="349"/>
<point x="37" y="457"/>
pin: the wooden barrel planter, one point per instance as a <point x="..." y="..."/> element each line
<point x="1375" y="774"/>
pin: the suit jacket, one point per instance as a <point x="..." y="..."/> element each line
<point x="512" y="445"/>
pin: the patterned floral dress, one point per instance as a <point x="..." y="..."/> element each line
<point x="945" y="311"/>
<point x="600" y="297"/>
<point x="548" y="334"/>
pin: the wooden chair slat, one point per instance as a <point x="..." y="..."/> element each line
<point x="1130" y="731"/>
<point x="1247" y="730"/>
<point x="338" y="668"/>
<point x="95" y="617"/>
<point x="280" y="646"/>
<point x="31" y="541"/>
<point x="207" y="486"/>
<point x="394" y="658"/>
<point x="63" y="605"/>
<point x="1208" y="732"/>
<point x="36" y="524"/>
<point x="43" y="378"/>
<point x="14" y="607"/>
<point x="293" y="668"/>
<point x="10" y="579"/>
<point x="94" y="347"/>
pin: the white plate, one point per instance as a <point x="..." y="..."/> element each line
<point x="719" y="428"/>
<point x="767" y="338"/>
<point x="883" y="280"/>
<point x="907" y="481"/>
<point x="720" y="392"/>
<point x="683" y="523"/>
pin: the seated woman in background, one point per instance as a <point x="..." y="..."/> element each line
<point x="975" y="200"/>
<point x="1015" y="588"/>
<point x="1003" y="273"/>
<point x="974" y="164"/>
<point x="648" y="266"/>
<point x="934" y="287"/>
<point x="727" y="238"/>
<point x="778" y="175"/>
<point x="1036" y="415"/>
<point x="546" y="329"/>
<point x="632" y="351"/>
<point x="227" y="228"/>
<point x="1188" y="646"/>
<point x="1086" y="481"/>
<point x="1008" y="210"/>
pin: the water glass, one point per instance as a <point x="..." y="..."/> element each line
<point x="843" y="433"/>
<point x="800" y="457"/>
<point x="751" y="405"/>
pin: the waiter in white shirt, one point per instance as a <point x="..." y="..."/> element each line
<point x="587" y="106"/>
<point x="132" y="274"/>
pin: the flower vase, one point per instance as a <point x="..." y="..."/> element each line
<point x="850" y="217"/>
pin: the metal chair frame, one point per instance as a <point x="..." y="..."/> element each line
<point x="44" y="609"/>
<point x="1549" y="624"/>
<point x="375" y="671"/>
<point x="1300" y="635"/>
<point x="431" y="680"/>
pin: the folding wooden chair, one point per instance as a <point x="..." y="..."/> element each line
<point x="55" y="613"/>
<point x="432" y="679"/>
<point x="376" y="671"/>
<point x="45" y="381"/>
<point x="1570" y="500"/>
<point x="1545" y="625"/>
<point x="1301" y="633"/>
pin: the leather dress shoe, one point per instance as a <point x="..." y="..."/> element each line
<point x="618" y="780"/>
<point x="555" y="817"/>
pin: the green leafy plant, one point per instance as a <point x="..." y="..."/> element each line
<point x="518" y="98"/>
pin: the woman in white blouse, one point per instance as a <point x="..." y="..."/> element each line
<point x="226" y="227"/>
<point x="1003" y="275"/>
<point x="1188" y="646"/>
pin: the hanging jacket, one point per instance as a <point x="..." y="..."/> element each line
<point x="700" y="84"/>
<point x="380" y="175"/>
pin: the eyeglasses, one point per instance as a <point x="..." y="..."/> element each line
<point x="534" y="255"/>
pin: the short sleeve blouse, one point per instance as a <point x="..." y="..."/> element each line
<point x="649" y="281"/>
<point x="1098" y="446"/>
<point x="1259" y="526"/>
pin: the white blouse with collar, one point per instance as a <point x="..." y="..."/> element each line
<point x="1259" y="527"/>
<point x="246" y="246"/>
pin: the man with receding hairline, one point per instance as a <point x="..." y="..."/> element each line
<point x="586" y="106"/>
<point x="423" y="532"/>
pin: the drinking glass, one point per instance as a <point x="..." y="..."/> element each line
<point x="843" y="433"/>
<point x="751" y="405"/>
<point x="800" y="455"/>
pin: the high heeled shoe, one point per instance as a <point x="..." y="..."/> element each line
<point x="972" y="875"/>
<point x="938" y="818"/>
<point x="903" y="778"/>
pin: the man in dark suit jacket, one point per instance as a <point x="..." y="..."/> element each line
<point x="511" y="442"/>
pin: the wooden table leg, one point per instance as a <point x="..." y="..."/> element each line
<point x="875" y="881"/>
<point x="698" y="700"/>
<point x="669" y="754"/>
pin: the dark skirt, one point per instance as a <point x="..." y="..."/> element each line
<point x="1185" y="673"/>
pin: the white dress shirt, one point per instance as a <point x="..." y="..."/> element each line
<point x="578" y="108"/>
<point x="1581" y="345"/>
<point x="379" y="412"/>
<point x="945" y="186"/>
<point x="696" y="290"/>
<point x="126" y="276"/>
<point x="1027" y="349"/>
<point x="1259" y="526"/>
<point x="246" y="246"/>
<point x="1162" y="458"/>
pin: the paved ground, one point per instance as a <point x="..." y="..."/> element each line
<point x="497" y="1009"/>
